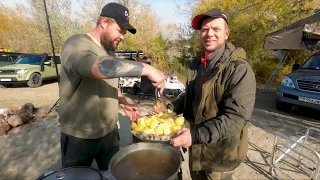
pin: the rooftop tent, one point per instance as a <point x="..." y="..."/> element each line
<point x="300" y="35"/>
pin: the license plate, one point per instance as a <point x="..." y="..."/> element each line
<point x="309" y="100"/>
<point x="5" y="79"/>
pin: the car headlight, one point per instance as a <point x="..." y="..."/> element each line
<point x="22" y="71"/>
<point x="287" y="82"/>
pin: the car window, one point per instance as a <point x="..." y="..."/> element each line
<point x="4" y="60"/>
<point x="312" y="63"/>
<point x="33" y="60"/>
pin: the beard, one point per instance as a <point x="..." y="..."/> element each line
<point x="107" y="44"/>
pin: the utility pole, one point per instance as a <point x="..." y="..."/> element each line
<point x="53" y="53"/>
<point x="51" y="40"/>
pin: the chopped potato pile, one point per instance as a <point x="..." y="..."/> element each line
<point x="158" y="127"/>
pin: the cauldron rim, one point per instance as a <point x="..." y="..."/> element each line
<point x="174" y="154"/>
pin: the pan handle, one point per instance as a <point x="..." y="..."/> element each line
<point x="157" y="94"/>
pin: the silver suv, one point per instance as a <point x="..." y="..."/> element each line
<point x="301" y="87"/>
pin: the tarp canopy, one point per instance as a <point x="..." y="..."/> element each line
<point x="300" y="35"/>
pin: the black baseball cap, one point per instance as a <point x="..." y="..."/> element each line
<point x="215" y="13"/>
<point x="120" y="14"/>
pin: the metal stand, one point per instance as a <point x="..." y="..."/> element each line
<point x="276" y="72"/>
<point x="54" y="105"/>
<point x="307" y="161"/>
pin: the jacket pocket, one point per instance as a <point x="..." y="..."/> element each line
<point x="229" y="142"/>
<point x="221" y="156"/>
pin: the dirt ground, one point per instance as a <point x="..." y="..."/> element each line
<point x="32" y="149"/>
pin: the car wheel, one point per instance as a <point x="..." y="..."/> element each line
<point x="35" y="80"/>
<point x="281" y="106"/>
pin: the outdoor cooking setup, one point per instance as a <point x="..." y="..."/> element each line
<point x="149" y="156"/>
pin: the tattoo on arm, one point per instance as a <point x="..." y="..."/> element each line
<point x="111" y="67"/>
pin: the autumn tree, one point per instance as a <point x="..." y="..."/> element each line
<point x="251" y="20"/>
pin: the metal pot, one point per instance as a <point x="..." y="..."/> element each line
<point x="73" y="173"/>
<point x="146" y="161"/>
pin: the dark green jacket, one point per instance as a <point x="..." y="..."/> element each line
<point x="220" y="123"/>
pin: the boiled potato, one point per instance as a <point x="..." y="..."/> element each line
<point x="154" y="124"/>
<point x="149" y="131"/>
<point x="168" y="121"/>
<point x="179" y="121"/>
<point x="159" y="126"/>
<point x="141" y="120"/>
<point x="159" y="114"/>
<point x="139" y="128"/>
<point x="148" y="122"/>
<point x="166" y="130"/>
<point x="175" y="129"/>
<point x="133" y="125"/>
<point x="159" y="131"/>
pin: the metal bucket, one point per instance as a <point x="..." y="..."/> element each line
<point x="146" y="161"/>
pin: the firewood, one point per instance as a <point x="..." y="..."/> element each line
<point x="26" y="112"/>
<point x="4" y="127"/>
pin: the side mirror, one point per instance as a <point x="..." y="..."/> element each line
<point x="43" y="61"/>
<point x="295" y="67"/>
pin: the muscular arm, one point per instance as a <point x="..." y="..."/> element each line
<point x="88" y="65"/>
<point x="109" y="67"/>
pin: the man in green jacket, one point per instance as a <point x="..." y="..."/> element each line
<point x="89" y="94"/>
<point x="218" y="102"/>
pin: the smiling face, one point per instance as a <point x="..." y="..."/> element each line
<point x="213" y="34"/>
<point x="112" y="34"/>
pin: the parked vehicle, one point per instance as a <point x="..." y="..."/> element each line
<point x="7" y="58"/>
<point x="301" y="87"/>
<point x="31" y="69"/>
<point x="129" y="83"/>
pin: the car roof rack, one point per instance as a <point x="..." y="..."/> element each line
<point x="26" y="54"/>
<point x="129" y="55"/>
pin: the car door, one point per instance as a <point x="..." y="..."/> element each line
<point x="49" y="69"/>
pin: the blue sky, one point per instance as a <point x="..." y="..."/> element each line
<point x="165" y="9"/>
